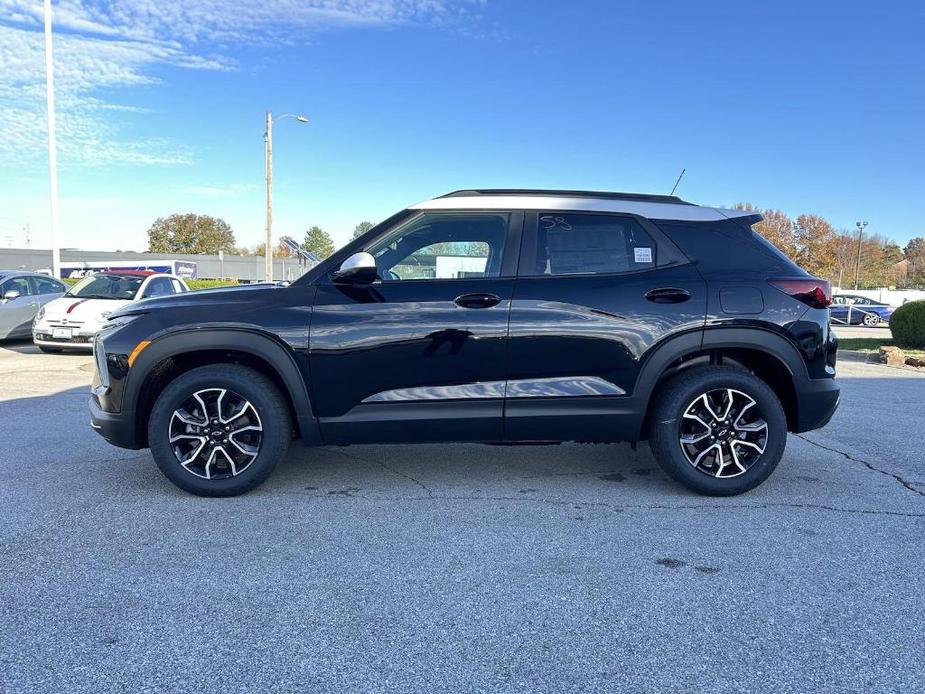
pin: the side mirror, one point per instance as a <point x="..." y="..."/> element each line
<point x="359" y="268"/>
<point x="10" y="295"/>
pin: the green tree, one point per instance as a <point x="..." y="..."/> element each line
<point x="190" y="233"/>
<point x="361" y="229"/>
<point x="319" y="242"/>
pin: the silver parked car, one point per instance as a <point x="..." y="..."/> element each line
<point x="22" y="294"/>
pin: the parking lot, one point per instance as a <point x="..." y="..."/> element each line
<point x="460" y="567"/>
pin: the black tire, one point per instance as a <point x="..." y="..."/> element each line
<point x="49" y="350"/>
<point x="871" y="320"/>
<point x="251" y="385"/>
<point x="671" y="402"/>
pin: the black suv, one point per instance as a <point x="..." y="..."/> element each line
<point x="492" y="316"/>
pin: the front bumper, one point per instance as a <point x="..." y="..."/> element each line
<point x="817" y="400"/>
<point x="80" y="339"/>
<point x="117" y="428"/>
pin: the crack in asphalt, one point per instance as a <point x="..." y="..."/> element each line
<point x="870" y="466"/>
<point x="416" y="481"/>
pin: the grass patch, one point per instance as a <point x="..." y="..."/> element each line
<point x="872" y="344"/>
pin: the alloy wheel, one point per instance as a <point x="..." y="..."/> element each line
<point x="723" y="432"/>
<point x="215" y="433"/>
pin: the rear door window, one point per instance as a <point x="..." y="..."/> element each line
<point x="575" y="243"/>
<point x="46" y="285"/>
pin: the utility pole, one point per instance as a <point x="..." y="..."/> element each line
<point x="52" y="145"/>
<point x="268" y="176"/>
<point x="857" y="267"/>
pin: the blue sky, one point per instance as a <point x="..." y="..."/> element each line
<point x="803" y="106"/>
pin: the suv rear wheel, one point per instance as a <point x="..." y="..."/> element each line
<point x="219" y="430"/>
<point x="718" y="430"/>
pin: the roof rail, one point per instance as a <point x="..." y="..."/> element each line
<point x="637" y="197"/>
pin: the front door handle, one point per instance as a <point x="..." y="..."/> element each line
<point x="478" y="300"/>
<point x="668" y="295"/>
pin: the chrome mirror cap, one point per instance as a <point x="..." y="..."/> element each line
<point x="359" y="267"/>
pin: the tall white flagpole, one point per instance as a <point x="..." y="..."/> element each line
<point x="52" y="144"/>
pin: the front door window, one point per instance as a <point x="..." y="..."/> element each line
<point x="443" y="246"/>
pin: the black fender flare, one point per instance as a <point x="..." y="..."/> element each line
<point x="673" y="348"/>
<point x="238" y="339"/>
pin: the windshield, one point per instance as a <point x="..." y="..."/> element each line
<point x="107" y="287"/>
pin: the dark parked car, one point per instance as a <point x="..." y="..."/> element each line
<point x="492" y="316"/>
<point x="853" y="309"/>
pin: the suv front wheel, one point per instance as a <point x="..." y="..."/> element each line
<point x="718" y="430"/>
<point x="219" y="430"/>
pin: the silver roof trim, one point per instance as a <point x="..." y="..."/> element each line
<point x="650" y="210"/>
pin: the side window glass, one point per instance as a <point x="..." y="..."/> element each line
<point x="45" y="285"/>
<point x="178" y="287"/>
<point x="443" y="246"/>
<point x="577" y="243"/>
<point x="159" y="286"/>
<point x="16" y="284"/>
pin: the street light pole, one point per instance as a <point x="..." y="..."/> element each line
<point x="52" y="145"/>
<point x="268" y="177"/>
<point x="857" y="267"/>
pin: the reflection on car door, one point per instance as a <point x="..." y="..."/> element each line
<point x="420" y="353"/>
<point x="594" y="292"/>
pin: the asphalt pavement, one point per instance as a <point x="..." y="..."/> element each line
<point x="460" y="568"/>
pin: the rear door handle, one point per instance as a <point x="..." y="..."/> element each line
<point x="668" y="295"/>
<point x="478" y="300"/>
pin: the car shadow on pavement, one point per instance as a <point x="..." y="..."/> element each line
<point x="22" y="345"/>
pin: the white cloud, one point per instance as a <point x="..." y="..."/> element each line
<point x="107" y="45"/>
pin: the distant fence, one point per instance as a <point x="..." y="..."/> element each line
<point x="247" y="268"/>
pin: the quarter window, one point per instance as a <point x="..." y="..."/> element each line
<point x="442" y="246"/>
<point x="578" y="243"/>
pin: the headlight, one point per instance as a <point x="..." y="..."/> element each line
<point x="41" y="313"/>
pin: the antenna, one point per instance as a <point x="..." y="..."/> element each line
<point x="677" y="182"/>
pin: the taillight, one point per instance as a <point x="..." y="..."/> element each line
<point x="812" y="292"/>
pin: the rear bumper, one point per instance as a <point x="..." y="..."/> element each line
<point x="817" y="400"/>
<point x="117" y="428"/>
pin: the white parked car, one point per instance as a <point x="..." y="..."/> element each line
<point x="72" y="321"/>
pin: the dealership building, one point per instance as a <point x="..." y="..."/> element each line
<point x="246" y="268"/>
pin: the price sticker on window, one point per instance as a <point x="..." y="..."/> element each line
<point x="643" y="255"/>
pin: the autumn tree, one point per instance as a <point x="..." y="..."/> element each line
<point x="281" y="250"/>
<point x="319" y="242"/>
<point x="844" y="252"/>
<point x="914" y="253"/>
<point x="361" y="229"/>
<point x="814" y="239"/>
<point x="191" y="234"/>
<point x="775" y="226"/>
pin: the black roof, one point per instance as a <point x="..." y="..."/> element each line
<point x="604" y="195"/>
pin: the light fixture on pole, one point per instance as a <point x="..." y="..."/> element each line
<point x="52" y="145"/>
<point x="268" y="177"/>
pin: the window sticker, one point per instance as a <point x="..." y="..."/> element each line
<point x="643" y="255"/>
